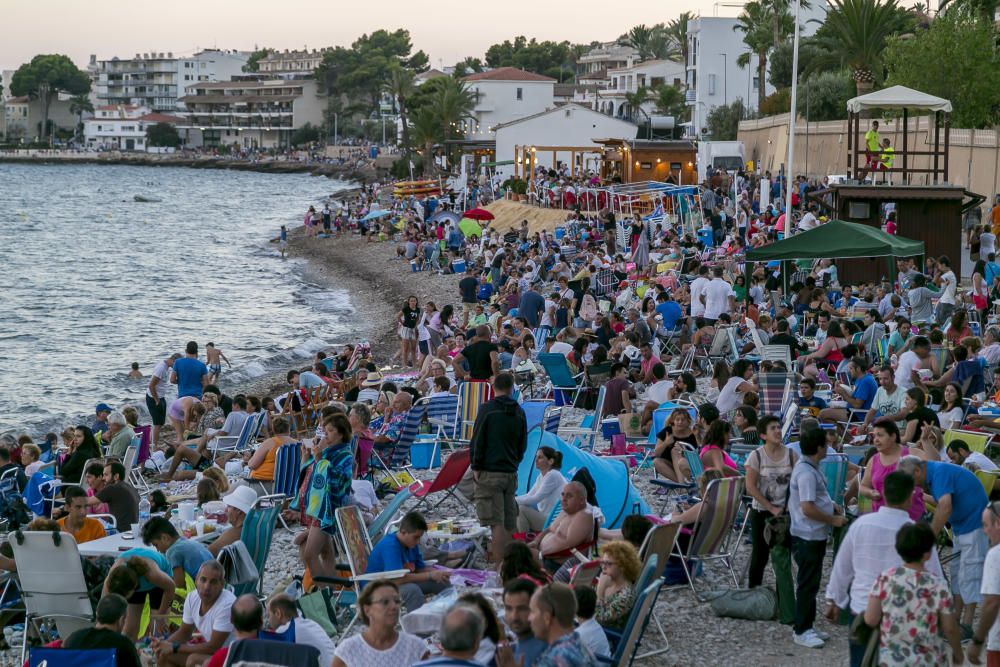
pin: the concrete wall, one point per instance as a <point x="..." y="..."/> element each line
<point x="821" y="149"/>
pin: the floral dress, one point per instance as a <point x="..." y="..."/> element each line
<point x="613" y="612"/>
<point x="911" y="602"/>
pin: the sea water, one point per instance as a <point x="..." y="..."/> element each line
<point x="91" y="280"/>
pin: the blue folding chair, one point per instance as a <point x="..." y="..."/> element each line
<point x="627" y="647"/>
<point x="563" y="381"/>
<point x="385" y="518"/>
<point x="256" y="535"/>
<point x="287" y="467"/>
<point x="63" y="657"/>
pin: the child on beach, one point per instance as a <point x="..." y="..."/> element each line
<point x="283" y="241"/>
<point x="215" y="357"/>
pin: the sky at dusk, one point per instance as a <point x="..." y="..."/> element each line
<point x="449" y="32"/>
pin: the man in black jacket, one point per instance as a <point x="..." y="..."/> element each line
<point x="499" y="439"/>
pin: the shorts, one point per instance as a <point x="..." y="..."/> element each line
<point x="469" y="307"/>
<point x="406" y="333"/>
<point x="154" y="595"/>
<point x="215" y="369"/>
<point x="494" y="499"/>
<point x="203" y="464"/>
<point x="157" y="411"/>
<point x="967" y="569"/>
<point x="176" y="412"/>
<point x="424" y="347"/>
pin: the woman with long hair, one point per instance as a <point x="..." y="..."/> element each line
<point x="535" y="506"/>
<point x="85" y="448"/>
<point x="952" y="410"/>
<point x="981" y="290"/>
<point x="889" y="452"/>
<point x="406" y="320"/>
<point x="518" y="561"/>
<point x="831" y="352"/>
<point x="958" y="327"/>
<point x="713" y="452"/>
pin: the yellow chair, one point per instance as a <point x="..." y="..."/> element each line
<point x="987" y="479"/>
<point x="976" y="441"/>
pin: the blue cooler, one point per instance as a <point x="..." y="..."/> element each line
<point x="421" y="450"/>
<point x="458" y="266"/>
<point x="610" y="427"/>
<point x="560" y="232"/>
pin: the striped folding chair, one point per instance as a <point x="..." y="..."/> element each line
<point x="442" y="415"/>
<point x="287" y="466"/>
<point x="711" y="534"/>
<point x="551" y="419"/>
<point x="834" y="469"/>
<point x="471" y="395"/>
<point x="256" y="534"/>
<point x="774" y="391"/>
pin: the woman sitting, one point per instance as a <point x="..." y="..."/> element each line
<point x="668" y="456"/>
<point x="518" y="561"/>
<point x="262" y="462"/>
<point x="831" y="352"/>
<point x="731" y="394"/>
<point x="620" y="568"/>
<point x="85" y="447"/>
<point x="746" y="421"/>
<point x="713" y="453"/>
<point x="535" y="506"/>
<point x="952" y="410"/>
<point x="918" y="415"/>
<point x="380" y="642"/>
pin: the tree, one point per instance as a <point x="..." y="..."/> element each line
<point x="677" y="32"/>
<point x="855" y="35"/>
<point x="756" y="25"/>
<point x="779" y="67"/>
<point x="44" y="78"/>
<point x="425" y="133"/>
<point x="552" y="59"/>
<point x="401" y="87"/>
<point x="79" y="105"/>
<point x="634" y="102"/>
<point x="824" y="96"/>
<point x="306" y="134"/>
<point x="163" y="134"/>
<point x="670" y="102"/>
<point x="468" y="66"/>
<point x="724" y="120"/>
<point x="955" y="59"/>
<point x="253" y="62"/>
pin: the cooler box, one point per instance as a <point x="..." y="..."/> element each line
<point x="458" y="266"/>
<point x="560" y="232"/>
<point x="420" y="452"/>
<point x="610" y="427"/>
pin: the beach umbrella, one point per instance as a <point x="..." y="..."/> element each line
<point x="445" y="216"/>
<point x="372" y="215"/>
<point x="470" y="228"/>
<point x="478" y="214"/>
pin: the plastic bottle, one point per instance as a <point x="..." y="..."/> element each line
<point x="144" y="510"/>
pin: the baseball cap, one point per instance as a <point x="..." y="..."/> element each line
<point x="103" y="407"/>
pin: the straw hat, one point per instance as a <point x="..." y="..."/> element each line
<point x="374" y="380"/>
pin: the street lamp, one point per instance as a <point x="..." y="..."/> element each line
<point x="791" y="123"/>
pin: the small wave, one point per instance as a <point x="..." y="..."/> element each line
<point x="254" y="369"/>
<point x="309" y="347"/>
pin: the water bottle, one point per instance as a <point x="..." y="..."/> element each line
<point x="143" y="510"/>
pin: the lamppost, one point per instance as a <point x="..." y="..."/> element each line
<point x="791" y="124"/>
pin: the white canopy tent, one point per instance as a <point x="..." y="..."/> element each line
<point x="898" y="97"/>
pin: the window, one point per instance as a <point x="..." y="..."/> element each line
<point x="520" y="94"/>
<point x="711" y="84"/>
<point x="756" y="82"/>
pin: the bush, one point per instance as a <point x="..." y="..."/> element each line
<point x="306" y="134"/>
<point x="776" y="103"/>
<point x="825" y="95"/>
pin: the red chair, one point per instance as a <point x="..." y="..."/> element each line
<point x="447" y="479"/>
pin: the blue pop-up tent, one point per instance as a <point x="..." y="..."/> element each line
<point x="616" y="495"/>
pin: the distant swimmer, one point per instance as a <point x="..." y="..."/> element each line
<point x="135" y="373"/>
<point x="215" y="359"/>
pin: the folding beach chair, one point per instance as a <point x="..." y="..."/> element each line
<point x="272" y="653"/>
<point x="442" y="416"/>
<point x="684" y="364"/>
<point x="834" y="469"/>
<point x="590" y="428"/>
<point x="256" y="535"/>
<point x="551" y="419"/>
<point x="446" y="481"/>
<point x="563" y="381"/>
<point x="385" y="518"/>
<point x="977" y="441"/>
<point x="397" y="456"/>
<point x="627" y="648"/>
<point x="777" y="353"/>
<point x="41" y="656"/>
<point x="711" y="534"/>
<point x="287" y="467"/>
<point x="720" y="347"/>
<point x="241" y="442"/>
<point x="51" y="582"/>
<point x="775" y="388"/>
<point x="471" y="395"/>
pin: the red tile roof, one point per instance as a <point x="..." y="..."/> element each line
<point x="507" y="74"/>
<point x="161" y="118"/>
<point x="18" y="100"/>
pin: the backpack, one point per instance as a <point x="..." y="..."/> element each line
<point x="588" y="307"/>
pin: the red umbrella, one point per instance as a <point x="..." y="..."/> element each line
<point x="478" y="214"/>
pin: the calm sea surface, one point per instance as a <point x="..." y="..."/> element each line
<point x="91" y="280"/>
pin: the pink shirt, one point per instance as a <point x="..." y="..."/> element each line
<point x="725" y="457"/>
<point x="879" y="472"/>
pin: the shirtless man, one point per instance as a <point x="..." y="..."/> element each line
<point x="574" y="526"/>
<point x="215" y="359"/>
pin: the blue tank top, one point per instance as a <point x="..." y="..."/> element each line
<point x="153" y="555"/>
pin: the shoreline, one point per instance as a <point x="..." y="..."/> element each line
<point x="364" y="174"/>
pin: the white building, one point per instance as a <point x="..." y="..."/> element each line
<point x="16" y="112"/>
<point x="593" y="66"/>
<point x="250" y="114"/>
<point x="572" y="125"/>
<point x="504" y="95"/>
<point x="159" y="80"/>
<point x="122" y="127"/>
<point x="650" y="74"/>
<point x="291" y="62"/>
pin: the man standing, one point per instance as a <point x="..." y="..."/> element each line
<point x="499" y="440"/>
<point x="157" y="394"/>
<point x="988" y="631"/>
<point x="469" y="288"/>
<point x="107" y="633"/>
<point x="948" y="284"/>
<point x="867" y="551"/>
<point x="530" y="307"/>
<point x="214" y="357"/>
<point x="207" y="610"/>
<point x="189" y="374"/>
<point x="698" y="286"/>
<point x="553" y="611"/>
<point x="960" y="499"/>
<point x="872" y="148"/>
<point x="482" y="355"/>
<point x="610" y="230"/>
<point x="516" y="613"/>
<point x="812" y="512"/>
<point x="719" y="297"/>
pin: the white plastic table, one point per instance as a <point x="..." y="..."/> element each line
<point x="114" y="545"/>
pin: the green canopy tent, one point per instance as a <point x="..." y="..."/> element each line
<point x="838" y="239"/>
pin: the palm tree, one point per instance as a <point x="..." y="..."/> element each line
<point x="635" y="100"/>
<point x="401" y="86"/>
<point x="855" y="35"/>
<point x="755" y="22"/>
<point x="426" y="133"/>
<point x="639" y="38"/>
<point x="782" y="21"/>
<point x="79" y="105"/>
<point x="451" y="104"/>
<point x="677" y="33"/>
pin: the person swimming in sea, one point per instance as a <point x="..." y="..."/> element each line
<point x="135" y="373"/>
<point x="214" y="360"/>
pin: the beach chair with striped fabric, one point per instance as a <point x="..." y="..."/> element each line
<point x="257" y="534"/>
<point x="778" y="353"/>
<point x="563" y="381"/>
<point x="411" y="426"/>
<point x="775" y="389"/>
<point x="712" y="532"/>
<point x="541" y="334"/>
<point x="442" y="415"/>
<point x="287" y="466"/>
<point x="471" y="395"/>
<point x="552" y="418"/>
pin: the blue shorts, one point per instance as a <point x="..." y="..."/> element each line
<point x="215" y="369"/>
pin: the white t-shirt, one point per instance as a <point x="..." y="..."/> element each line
<point x="546" y="320"/>
<point x="657" y="392"/>
<point x="991" y="586"/>
<point x="729" y="398"/>
<point x="310" y="633"/>
<point x="162" y="373"/>
<point x="948" y="284"/>
<point x="808" y="222"/>
<point x="559" y="347"/>
<point x="356" y="652"/>
<point x="886" y="404"/>
<point x="697" y="287"/>
<point x="544" y="493"/>
<point x="215" y="620"/>
<point x="593" y="637"/>
<point x="364" y="493"/>
<point x="908" y="362"/>
<point x="717" y="294"/>
<point x="982" y="462"/>
<point x="987" y="244"/>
